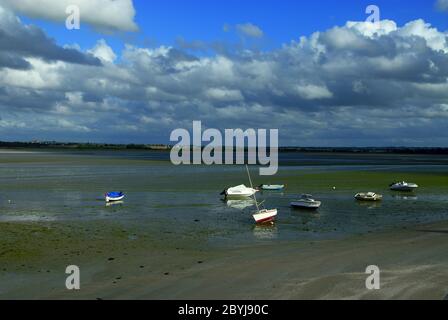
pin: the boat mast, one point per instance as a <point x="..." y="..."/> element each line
<point x="250" y="181"/>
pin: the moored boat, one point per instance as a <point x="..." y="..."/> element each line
<point x="368" y="196"/>
<point x="306" y="201"/>
<point x="272" y="187"/>
<point x="114" y="196"/>
<point x="403" y="186"/>
<point x="240" y="191"/>
<point x="265" y="215"/>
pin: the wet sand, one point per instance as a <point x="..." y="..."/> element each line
<point x="126" y="263"/>
<point x="17" y="151"/>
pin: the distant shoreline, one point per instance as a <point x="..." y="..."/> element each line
<point x="53" y="145"/>
<point x="14" y="151"/>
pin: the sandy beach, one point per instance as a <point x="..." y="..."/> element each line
<point x="412" y="263"/>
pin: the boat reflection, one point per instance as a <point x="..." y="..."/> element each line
<point x="273" y="192"/>
<point x="114" y="203"/>
<point x="369" y="204"/>
<point x="240" y="204"/>
<point x="265" y="231"/>
<point x="405" y="196"/>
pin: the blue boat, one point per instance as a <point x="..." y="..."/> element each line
<point x="114" y="196"/>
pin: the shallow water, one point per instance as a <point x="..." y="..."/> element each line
<point x="184" y="200"/>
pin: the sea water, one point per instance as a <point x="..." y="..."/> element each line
<point x="185" y="201"/>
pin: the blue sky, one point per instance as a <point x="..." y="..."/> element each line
<point x="315" y="70"/>
<point x="162" y="22"/>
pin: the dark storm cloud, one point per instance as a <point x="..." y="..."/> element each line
<point x="21" y="99"/>
<point x="9" y="60"/>
<point x="32" y="42"/>
<point x="91" y="97"/>
<point x="20" y="41"/>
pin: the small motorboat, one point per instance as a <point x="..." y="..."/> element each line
<point x="271" y="187"/>
<point x="306" y="201"/>
<point x="240" y="191"/>
<point x="265" y="215"/>
<point x="403" y="186"/>
<point x="368" y="196"/>
<point x="114" y="196"/>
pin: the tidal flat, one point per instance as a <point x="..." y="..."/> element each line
<point x="173" y="236"/>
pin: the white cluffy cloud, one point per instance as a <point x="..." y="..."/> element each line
<point x="103" y="51"/>
<point x="250" y="30"/>
<point x="313" y="92"/>
<point x="108" y="15"/>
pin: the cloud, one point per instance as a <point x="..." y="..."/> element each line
<point x="442" y="5"/>
<point x="107" y="15"/>
<point x="9" y="60"/>
<point x="103" y="52"/>
<point x="348" y="85"/>
<point x="226" y="27"/>
<point x="249" y="30"/>
<point x="220" y="94"/>
<point x="312" y="92"/>
<point x="19" y="42"/>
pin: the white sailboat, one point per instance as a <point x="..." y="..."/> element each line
<point x="261" y="215"/>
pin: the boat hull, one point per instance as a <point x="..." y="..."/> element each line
<point x="272" y="187"/>
<point x="265" y="216"/>
<point x="239" y="192"/>
<point x="240" y="195"/>
<point x="303" y="205"/>
<point x="114" y="199"/>
<point x="364" y="198"/>
<point x="403" y="188"/>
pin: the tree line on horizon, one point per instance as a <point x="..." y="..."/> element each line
<point x="166" y="147"/>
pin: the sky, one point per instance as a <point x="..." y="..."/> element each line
<point x="137" y="70"/>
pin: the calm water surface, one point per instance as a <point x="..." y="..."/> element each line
<point x="185" y="199"/>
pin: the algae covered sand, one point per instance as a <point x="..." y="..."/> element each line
<point x="34" y="256"/>
<point x="119" y="263"/>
